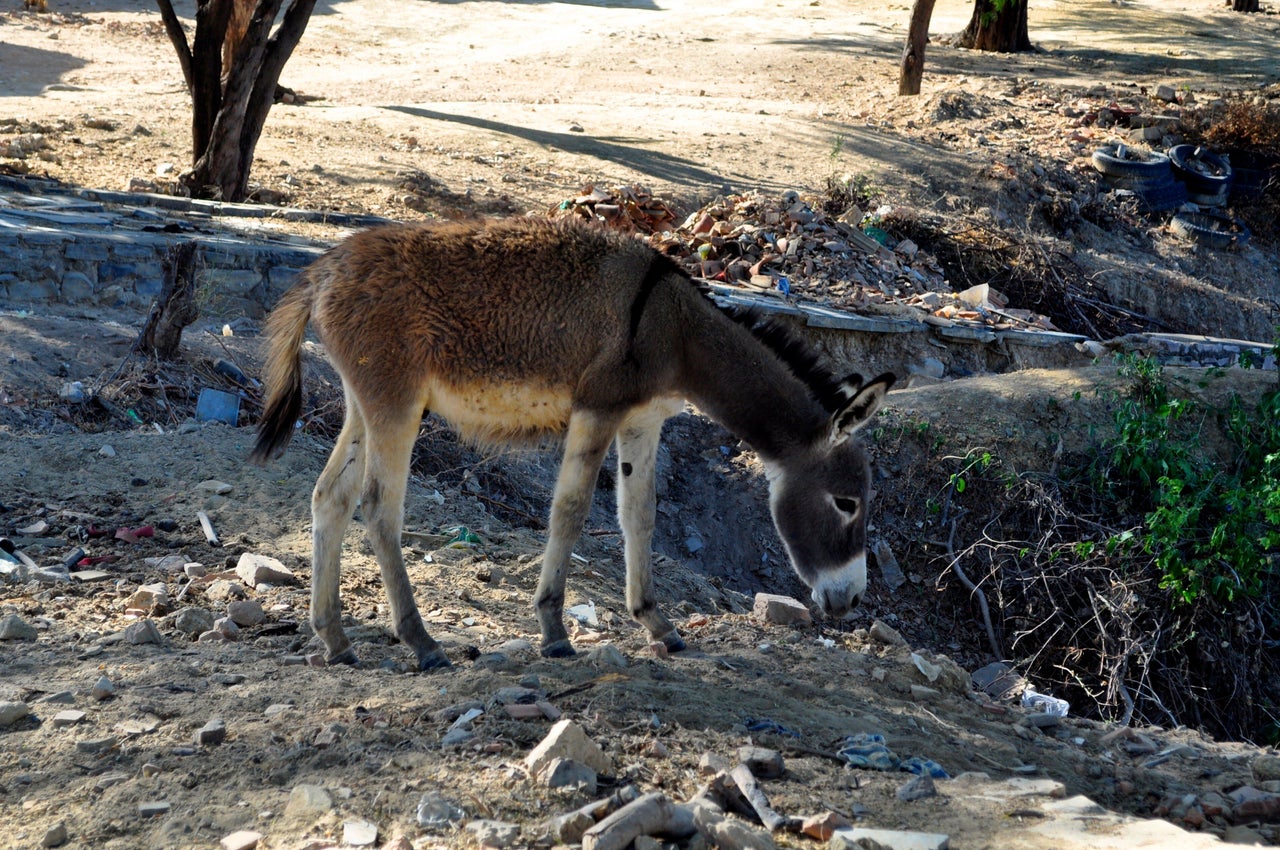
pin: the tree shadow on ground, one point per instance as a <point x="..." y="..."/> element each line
<point x="624" y="152"/>
<point x="29" y="71"/>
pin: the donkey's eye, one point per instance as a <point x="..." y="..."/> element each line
<point x="847" y="504"/>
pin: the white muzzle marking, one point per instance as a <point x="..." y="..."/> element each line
<point x="836" y="591"/>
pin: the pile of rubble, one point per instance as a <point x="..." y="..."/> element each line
<point x="793" y="248"/>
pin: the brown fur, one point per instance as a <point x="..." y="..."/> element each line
<point x="522" y="329"/>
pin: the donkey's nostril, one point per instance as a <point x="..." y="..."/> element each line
<point x="853" y="603"/>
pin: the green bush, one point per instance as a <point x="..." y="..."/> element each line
<point x="1212" y="527"/>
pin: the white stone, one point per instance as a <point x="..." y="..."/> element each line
<point x="780" y="610"/>
<point x="255" y="569"/>
<point x="244" y="839"/>
<point x="246" y="612"/>
<point x="858" y="838"/>
<point x="567" y="740"/>
<point x="359" y="833"/>
<point x="12" y="712"/>
<point x="103" y="689"/>
<point x="308" y="800"/>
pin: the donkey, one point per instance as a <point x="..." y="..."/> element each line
<point x="517" y="330"/>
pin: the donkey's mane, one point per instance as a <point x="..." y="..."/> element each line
<point x="802" y="360"/>
<point x="795" y="354"/>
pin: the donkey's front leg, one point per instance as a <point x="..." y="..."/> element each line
<point x="584" y="448"/>
<point x="637" y="457"/>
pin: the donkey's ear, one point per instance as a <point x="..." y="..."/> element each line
<point x="859" y="408"/>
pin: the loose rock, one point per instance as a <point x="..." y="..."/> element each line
<point x="1266" y="767"/>
<point x="780" y="610"/>
<point x="245" y="839"/>
<point x="260" y="569"/>
<point x="858" y="838"/>
<point x="13" y="627"/>
<point x="103" y="689"/>
<point x="55" y="836"/>
<point x="764" y="763"/>
<point x="142" y="632"/>
<point x="153" y="809"/>
<point x="886" y="634"/>
<point x="822" y="826"/>
<point x="308" y="800"/>
<point x="359" y="833"/>
<point x="607" y="655"/>
<point x="246" y="612"/>
<point x="193" y="621"/>
<point x="12" y="712"/>
<point x="493" y="833"/>
<point x="567" y="740"/>
<point x="96" y="745"/>
<point x="562" y="773"/>
<point x="211" y="734"/>
<point x="917" y="788"/>
<point x="66" y="718"/>
<point x="150" y="598"/>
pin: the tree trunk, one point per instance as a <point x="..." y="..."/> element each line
<point x="1244" y="5"/>
<point x="232" y="70"/>
<point x="176" y="307"/>
<point x="913" y="54"/>
<point x="999" y="26"/>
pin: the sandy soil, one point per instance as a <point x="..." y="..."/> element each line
<point x="509" y="107"/>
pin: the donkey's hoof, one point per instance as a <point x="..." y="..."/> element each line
<point x="347" y="656"/>
<point x="436" y="660"/>
<point x="559" y="649"/>
<point x="673" y="641"/>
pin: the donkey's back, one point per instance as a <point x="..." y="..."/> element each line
<point x="499" y="329"/>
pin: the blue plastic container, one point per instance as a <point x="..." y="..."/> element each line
<point x="218" y="406"/>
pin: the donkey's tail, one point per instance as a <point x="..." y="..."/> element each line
<point x="285" y="329"/>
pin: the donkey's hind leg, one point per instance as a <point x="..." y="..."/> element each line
<point x="390" y="446"/>
<point x="332" y="502"/>
<point x="637" y="455"/>
<point x="589" y="436"/>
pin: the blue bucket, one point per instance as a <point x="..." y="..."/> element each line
<point x="218" y="406"/>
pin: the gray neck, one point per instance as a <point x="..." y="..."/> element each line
<point x="739" y="382"/>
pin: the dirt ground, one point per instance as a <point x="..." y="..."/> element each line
<point x="482" y="107"/>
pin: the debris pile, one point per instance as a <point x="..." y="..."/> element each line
<point x="632" y="209"/>
<point x="792" y="248"/>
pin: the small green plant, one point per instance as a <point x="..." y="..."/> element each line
<point x="972" y="461"/>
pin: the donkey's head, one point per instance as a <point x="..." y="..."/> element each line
<point x="819" y="497"/>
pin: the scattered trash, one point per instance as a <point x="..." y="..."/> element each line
<point x="1211" y="229"/>
<point x="584" y="613"/>
<point x="207" y="526"/>
<point x="771" y="727"/>
<point x="434" y="811"/>
<point x="218" y="406"/>
<point x="463" y="538"/>
<point x="1043" y="702"/>
<point x="74" y="392"/>
<point x="869" y="751"/>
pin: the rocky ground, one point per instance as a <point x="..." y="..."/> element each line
<point x="122" y="727"/>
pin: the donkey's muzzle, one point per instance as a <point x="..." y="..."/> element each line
<point x="837" y="602"/>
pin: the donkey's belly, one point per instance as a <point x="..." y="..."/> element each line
<point x="487" y="412"/>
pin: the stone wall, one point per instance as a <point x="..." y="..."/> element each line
<point x="99" y="248"/>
